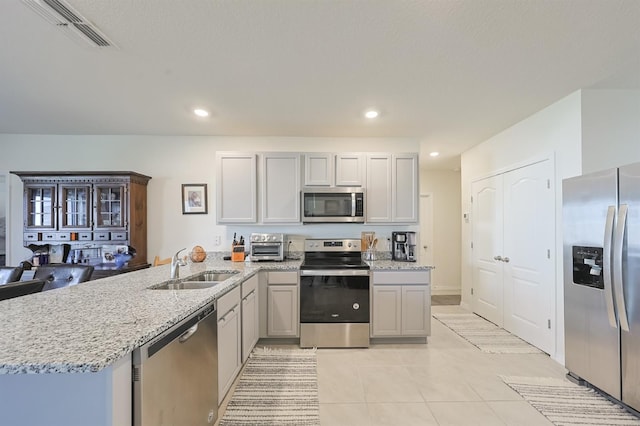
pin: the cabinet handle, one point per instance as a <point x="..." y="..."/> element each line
<point x="505" y="259"/>
<point x="498" y="258"/>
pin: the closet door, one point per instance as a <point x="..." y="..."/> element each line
<point x="528" y="255"/>
<point x="488" y="249"/>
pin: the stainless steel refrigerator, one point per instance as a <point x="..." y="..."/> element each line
<point x="601" y="225"/>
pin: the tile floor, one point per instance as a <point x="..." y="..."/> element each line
<point x="448" y="381"/>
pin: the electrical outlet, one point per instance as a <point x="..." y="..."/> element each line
<point x="217" y="240"/>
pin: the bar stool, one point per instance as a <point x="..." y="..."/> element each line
<point x="63" y="275"/>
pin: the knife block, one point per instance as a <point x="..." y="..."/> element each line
<point x="237" y="254"/>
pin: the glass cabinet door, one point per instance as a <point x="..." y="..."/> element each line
<point x="40" y="206"/>
<point x="75" y="204"/>
<point x="110" y="206"/>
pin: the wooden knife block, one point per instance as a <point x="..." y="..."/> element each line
<point x="237" y="254"/>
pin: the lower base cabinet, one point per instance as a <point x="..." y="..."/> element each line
<point x="283" y="318"/>
<point x="250" y="316"/>
<point x="229" y="341"/>
<point x="401" y="304"/>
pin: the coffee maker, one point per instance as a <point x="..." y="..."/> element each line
<point x="403" y="246"/>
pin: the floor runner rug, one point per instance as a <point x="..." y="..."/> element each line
<point x="485" y="335"/>
<point x="277" y="387"/>
<point x="567" y="404"/>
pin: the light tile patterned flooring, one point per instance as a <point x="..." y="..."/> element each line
<point x="448" y="381"/>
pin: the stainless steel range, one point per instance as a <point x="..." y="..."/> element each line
<point x="334" y="295"/>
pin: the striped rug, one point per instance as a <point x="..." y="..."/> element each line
<point x="485" y="335"/>
<point x="565" y="403"/>
<point x="277" y="387"/>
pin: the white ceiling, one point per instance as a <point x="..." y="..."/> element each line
<point x="448" y="73"/>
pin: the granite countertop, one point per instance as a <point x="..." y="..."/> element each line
<point x="87" y="327"/>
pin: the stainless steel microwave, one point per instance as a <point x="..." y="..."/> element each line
<point x="335" y="204"/>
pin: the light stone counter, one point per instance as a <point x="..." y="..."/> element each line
<point x="89" y="326"/>
<point x="392" y="265"/>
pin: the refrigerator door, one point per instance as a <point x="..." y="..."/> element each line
<point x="592" y="349"/>
<point x="630" y="340"/>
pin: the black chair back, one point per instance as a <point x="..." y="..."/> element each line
<point x="20" y="288"/>
<point x="62" y="275"/>
<point x="9" y="274"/>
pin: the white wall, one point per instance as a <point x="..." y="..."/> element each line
<point x="552" y="132"/>
<point x="444" y="187"/>
<point x="610" y="128"/>
<point x="172" y="161"/>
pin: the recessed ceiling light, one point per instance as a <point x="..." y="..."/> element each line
<point x="434" y="154"/>
<point x="371" y="114"/>
<point x="201" y="112"/>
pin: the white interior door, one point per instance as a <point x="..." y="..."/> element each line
<point x="487" y="247"/>
<point x="528" y="253"/>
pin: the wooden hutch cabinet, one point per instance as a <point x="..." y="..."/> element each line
<point x="90" y="211"/>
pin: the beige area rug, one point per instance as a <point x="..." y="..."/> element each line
<point x="484" y="334"/>
<point x="277" y="387"/>
<point x="567" y="404"/>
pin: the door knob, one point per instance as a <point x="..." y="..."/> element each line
<point x="506" y="259"/>
<point x="498" y="258"/>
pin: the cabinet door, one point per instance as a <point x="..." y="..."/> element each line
<point x="75" y="207"/>
<point x="229" y="350"/>
<point x="236" y="188"/>
<point x="249" y="323"/>
<point x="282" y="311"/>
<point x="40" y="207"/>
<point x="405" y="188"/>
<point x="318" y="169"/>
<point x="280" y="187"/>
<point x="378" y="193"/>
<point x="387" y="311"/>
<point x="349" y="169"/>
<point x="110" y="207"/>
<point x="416" y="312"/>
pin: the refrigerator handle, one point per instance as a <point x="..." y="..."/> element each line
<point x="618" y="243"/>
<point x="606" y="266"/>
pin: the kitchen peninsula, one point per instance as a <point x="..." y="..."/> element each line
<point x="68" y="351"/>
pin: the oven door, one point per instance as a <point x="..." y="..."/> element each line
<point x="334" y="296"/>
<point x="267" y="251"/>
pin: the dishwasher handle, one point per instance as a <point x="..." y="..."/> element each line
<point x="187" y="334"/>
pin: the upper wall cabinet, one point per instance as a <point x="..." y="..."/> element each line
<point x="280" y="187"/>
<point x="236" y="192"/>
<point x="392" y="188"/>
<point x="327" y="169"/>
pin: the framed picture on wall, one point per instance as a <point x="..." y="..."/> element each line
<point x="194" y="198"/>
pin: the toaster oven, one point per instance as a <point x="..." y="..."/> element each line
<point x="267" y="247"/>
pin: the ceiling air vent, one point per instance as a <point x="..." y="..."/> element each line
<point x="66" y="18"/>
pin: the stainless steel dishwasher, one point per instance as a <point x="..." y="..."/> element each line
<point x="175" y="375"/>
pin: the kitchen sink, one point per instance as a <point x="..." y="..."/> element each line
<point x="203" y="280"/>
<point x="186" y="285"/>
<point x="211" y="276"/>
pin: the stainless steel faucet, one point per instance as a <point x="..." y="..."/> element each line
<point x="176" y="263"/>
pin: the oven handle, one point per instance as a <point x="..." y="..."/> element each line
<point x="334" y="272"/>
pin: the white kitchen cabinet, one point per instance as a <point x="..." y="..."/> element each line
<point x="280" y="187"/>
<point x="327" y="169"/>
<point x="349" y="169"/>
<point x="379" y="194"/>
<point x="250" y="316"/>
<point x="392" y="188"/>
<point x="236" y="186"/>
<point x="401" y="304"/>
<point x="229" y="341"/>
<point x="318" y="169"/>
<point x="282" y="304"/>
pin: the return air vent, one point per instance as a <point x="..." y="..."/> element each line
<point x="66" y="18"/>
